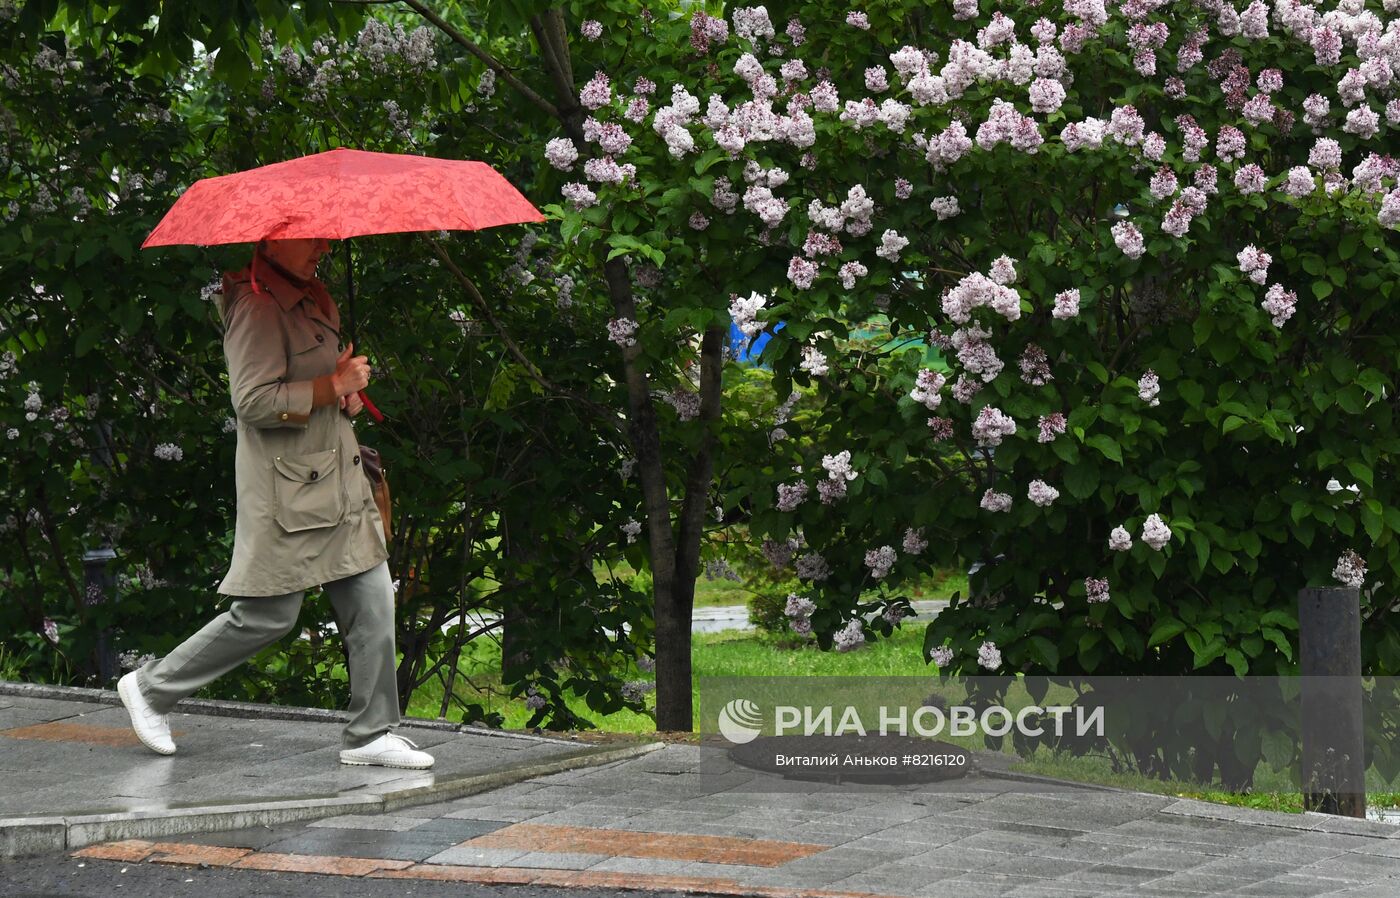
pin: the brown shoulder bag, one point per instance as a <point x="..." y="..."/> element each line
<point x="379" y="486"/>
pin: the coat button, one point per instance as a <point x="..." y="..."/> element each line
<point x="314" y="475"/>
<point x="284" y="416"/>
<point x="320" y="338"/>
<point x="357" y="459"/>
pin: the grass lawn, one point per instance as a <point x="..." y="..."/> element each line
<point x="735" y="653"/>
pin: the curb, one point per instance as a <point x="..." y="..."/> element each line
<point x="214" y="708"/>
<point x="21" y="836"/>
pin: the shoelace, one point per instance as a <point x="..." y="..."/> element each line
<point x="403" y="739"/>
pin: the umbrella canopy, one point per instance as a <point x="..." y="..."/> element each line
<point x="343" y="193"/>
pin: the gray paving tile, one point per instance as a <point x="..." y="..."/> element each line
<point x="465" y="856"/>
<point x="1290" y="887"/>
<point x="557" y="860"/>
<point x="387" y="822"/>
<point x="640" y="865"/>
<point x="408" y="846"/>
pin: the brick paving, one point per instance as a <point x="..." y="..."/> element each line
<point x="680" y="820"/>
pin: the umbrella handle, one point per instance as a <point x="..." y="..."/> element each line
<point x="370" y="407"/>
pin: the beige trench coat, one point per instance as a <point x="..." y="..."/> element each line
<point x="306" y="514"/>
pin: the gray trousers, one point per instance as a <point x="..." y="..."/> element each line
<point x="364" y="604"/>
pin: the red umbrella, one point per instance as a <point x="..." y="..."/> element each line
<point x="343" y="193"/>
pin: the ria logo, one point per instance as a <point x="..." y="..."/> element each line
<point x="740" y="721"/>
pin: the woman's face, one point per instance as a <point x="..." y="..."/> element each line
<point x="298" y="256"/>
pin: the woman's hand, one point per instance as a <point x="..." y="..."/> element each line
<point x="351" y="404"/>
<point x="351" y="373"/>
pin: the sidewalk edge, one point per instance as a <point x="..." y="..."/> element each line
<point x="21" y="836"/>
<point x="218" y="708"/>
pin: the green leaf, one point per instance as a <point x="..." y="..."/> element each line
<point x="1165" y="630"/>
<point x="1106" y="445"/>
<point x="1191" y="391"/>
<point x="1321" y="289"/>
<point x="1082" y="479"/>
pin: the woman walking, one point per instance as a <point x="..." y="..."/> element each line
<point x="306" y="515"/>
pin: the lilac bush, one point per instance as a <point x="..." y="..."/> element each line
<point x="1176" y="218"/>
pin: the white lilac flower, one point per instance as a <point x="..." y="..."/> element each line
<point x="994" y="501"/>
<point x="801" y="272"/>
<point x="698" y="221"/>
<point x="941" y="656"/>
<point x="1155" y="532"/>
<point x="50" y="630"/>
<point x="798" y="606"/>
<point x="838" y="466"/>
<point x="1120" y="540"/>
<point x="992" y="426"/>
<point x="1279" y="304"/>
<point x="1301" y="182"/>
<point x="621" y="330"/>
<point x="744" y="312"/>
<point x="857" y="19"/>
<point x="945" y="207"/>
<point x="169" y="452"/>
<point x="1096" y="590"/>
<point x="1042" y="493"/>
<point x="1148" y="388"/>
<point x="849" y="272"/>
<point x="633" y="529"/>
<point x="1255" y="263"/>
<point x="1250" y="179"/>
<point x="1066" y="304"/>
<point x="579" y="194"/>
<point x="927" y="385"/>
<point x="591" y="29"/>
<point x="914" y="542"/>
<point x="1129" y="239"/>
<point x="989" y="656"/>
<point x="597" y="92"/>
<point x="880" y="561"/>
<point x="1003" y="271"/>
<point x="813" y="361"/>
<point x="850" y="637"/>
<point x="1325" y="155"/>
<point x="1350" y="570"/>
<point x="685" y="402"/>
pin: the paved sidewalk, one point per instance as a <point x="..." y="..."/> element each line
<point x="72" y="772"/>
<point x="681" y="818"/>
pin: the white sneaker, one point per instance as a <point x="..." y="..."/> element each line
<point x="151" y="728"/>
<point x="389" y="750"/>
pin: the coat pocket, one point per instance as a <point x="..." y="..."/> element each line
<point x="308" y="490"/>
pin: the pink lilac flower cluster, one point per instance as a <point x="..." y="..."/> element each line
<point x="1066" y="304"/>
<point x="1035" y="366"/>
<point x="1280" y="304"/>
<point x="989" y="656"/>
<point x="1254" y="262"/>
<point x="1051" y="426"/>
<point x="995" y="501"/>
<point x="992" y="426"/>
<point x="880" y="561"/>
<point x="1096" y="590"/>
<point x="621" y="330"/>
<point x="791" y="495"/>
<point x="927" y="387"/>
<point x="914" y="542"/>
<point x="1120" y="540"/>
<point x="942" y="656"/>
<point x="1041" y="493"/>
<point x="850" y="637"/>
<point x="799" y="613"/>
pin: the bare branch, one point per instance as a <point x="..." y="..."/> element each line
<point x="491" y="62"/>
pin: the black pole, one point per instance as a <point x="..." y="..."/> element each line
<point x="347" y="323"/>
<point x="1334" y="766"/>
